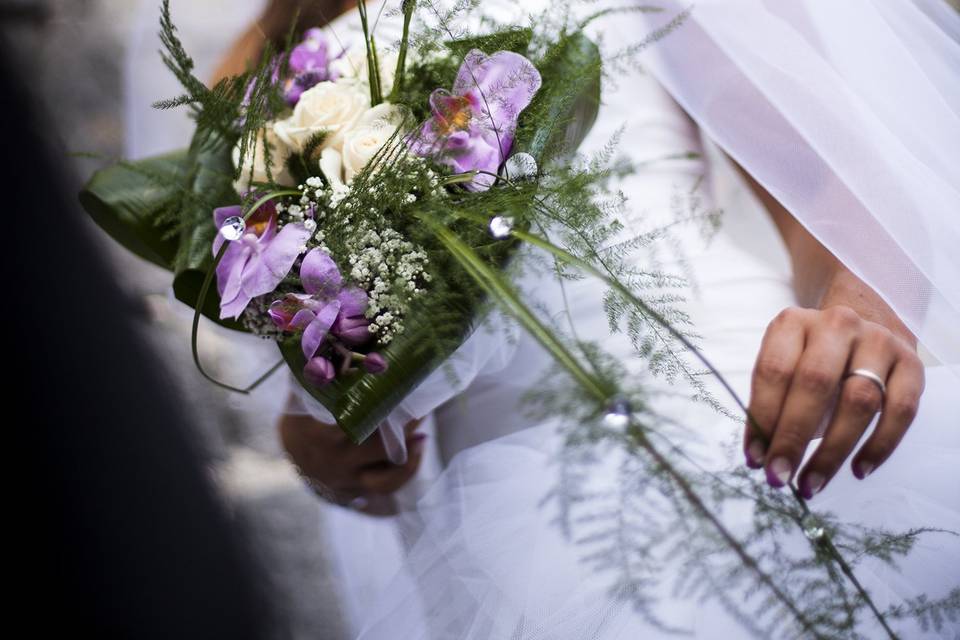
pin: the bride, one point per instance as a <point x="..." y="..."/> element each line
<point x="826" y="173"/>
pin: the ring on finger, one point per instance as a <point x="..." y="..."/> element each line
<point x="872" y="377"/>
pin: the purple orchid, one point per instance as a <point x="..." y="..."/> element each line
<point x="472" y="128"/>
<point x="327" y="307"/>
<point x="256" y="263"/>
<point x="374" y="363"/>
<point x="310" y="64"/>
<point x="319" y="371"/>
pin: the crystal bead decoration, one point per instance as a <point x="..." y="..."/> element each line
<point x="521" y="166"/>
<point x="233" y="228"/>
<point x="618" y="414"/>
<point x="812" y="528"/>
<point x="500" y="226"/>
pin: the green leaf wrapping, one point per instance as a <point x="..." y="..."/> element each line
<point x="161" y="209"/>
<point x="360" y="402"/>
<point x="516" y="40"/>
<point x="212" y="184"/>
<point x="555" y="123"/>
<point x="558" y="119"/>
<point x="125" y="199"/>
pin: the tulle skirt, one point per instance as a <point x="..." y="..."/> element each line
<point x="494" y="559"/>
<point x="520" y="539"/>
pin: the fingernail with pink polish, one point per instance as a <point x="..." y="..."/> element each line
<point x="812" y="484"/>
<point x="778" y="472"/>
<point x="755" y="454"/>
<point x="863" y="469"/>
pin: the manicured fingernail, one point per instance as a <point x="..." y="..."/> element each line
<point x="812" y="484"/>
<point x="755" y="453"/>
<point x="863" y="469"/>
<point x="778" y="472"/>
<point x="418" y="437"/>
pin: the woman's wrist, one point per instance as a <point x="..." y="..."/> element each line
<point x="842" y="288"/>
<point x="277" y="16"/>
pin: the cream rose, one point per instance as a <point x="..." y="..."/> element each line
<point x="331" y="164"/>
<point x="366" y="137"/>
<point x="254" y="167"/>
<point x="327" y="107"/>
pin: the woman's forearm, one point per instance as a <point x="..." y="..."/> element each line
<point x="272" y="26"/>
<point x="245" y="52"/>
<point x="820" y="280"/>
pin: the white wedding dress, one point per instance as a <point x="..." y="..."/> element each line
<point x="487" y="547"/>
<point x="489" y="555"/>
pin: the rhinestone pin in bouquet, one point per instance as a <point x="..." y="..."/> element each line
<point x="341" y="202"/>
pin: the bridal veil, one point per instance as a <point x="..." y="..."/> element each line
<point x="849" y="114"/>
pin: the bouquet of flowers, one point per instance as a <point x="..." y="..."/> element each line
<point x="340" y="201"/>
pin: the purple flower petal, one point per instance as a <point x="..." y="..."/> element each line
<point x="234" y="307"/>
<point x="505" y="83"/>
<point x="317" y="330"/>
<point x="319" y="274"/>
<point x="290" y="312"/>
<point x="303" y="318"/>
<point x="229" y="269"/>
<point x="352" y="330"/>
<point x="310" y="54"/>
<point x="274" y="259"/>
<point x="472" y="128"/>
<point x="375" y="363"/>
<point x="319" y="371"/>
<point x="353" y="301"/>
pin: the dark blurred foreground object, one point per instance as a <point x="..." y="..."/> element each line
<point x="30" y="12"/>
<point x="124" y="536"/>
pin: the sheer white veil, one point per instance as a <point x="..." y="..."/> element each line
<point x="849" y="114"/>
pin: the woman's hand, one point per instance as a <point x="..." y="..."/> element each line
<point x="803" y="370"/>
<point x="342" y="471"/>
<point x="802" y="375"/>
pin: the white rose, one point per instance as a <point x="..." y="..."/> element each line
<point x="351" y="69"/>
<point x="331" y="164"/>
<point x="367" y="136"/>
<point x="327" y="107"/>
<point x="255" y="161"/>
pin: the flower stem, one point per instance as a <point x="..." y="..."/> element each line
<point x="373" y="68"/>
<point x="500" y="291"/>
<point x="697" y="503"/>
<point x="408" y="8"/>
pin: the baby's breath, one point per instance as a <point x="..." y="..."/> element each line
<point x="362" y="226"/>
